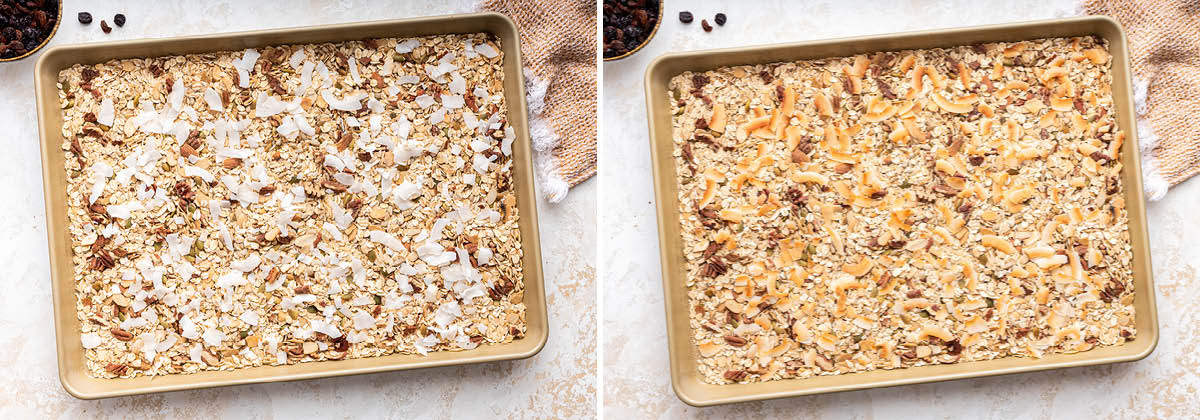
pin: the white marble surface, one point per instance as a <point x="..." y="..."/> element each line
<point x="559" y="382"/>
<point x="635" y="372"/>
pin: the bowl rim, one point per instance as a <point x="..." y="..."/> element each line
<point x="57" y="23"/>
<point x="653" y="32"/>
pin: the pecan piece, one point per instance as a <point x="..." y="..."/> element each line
<point x="116" y="368"/>
<point x="946" y="190"/>
<point x="333" y="185"/>
<point x="344" y="141"/>
<point x="736" y="375"/>
<point x="799" y="156"/>
<point x="121" y="334"/>
<point x="102" y="260"/>
<point x="183" y="190"/>
<point x="714" y="267"/>
<point x="735" y="341"/>
<point x="272" y="275"/>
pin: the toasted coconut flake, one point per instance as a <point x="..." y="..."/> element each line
<point x="824" y="108"/>
<point x="1047" y="119"/>
<point x="1039" y="251"/>
<point x="910" y="125"/>
<point x="710" y="191"/>
<point x="998" y="243"/>
<point x="1050" y="261"/>
<point x="946" y="105"/>
<point x="859" y="269"/>
<point x="810" y="177"/>
<point x="884" y="114"/>
<point x="1096" y="55"/>
<point x="934" y="331"/>
<point x="718" y="120"/>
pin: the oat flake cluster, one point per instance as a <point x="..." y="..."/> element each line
<point x="902" y="209"/>
<point x="302" y="203"/>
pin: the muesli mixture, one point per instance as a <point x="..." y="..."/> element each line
<point x="902" y="209"/>
<point x="299" y="203"/>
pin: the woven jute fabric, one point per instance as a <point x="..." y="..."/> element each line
<point x="558" y="41"/>
<point x="1164" y="45"/>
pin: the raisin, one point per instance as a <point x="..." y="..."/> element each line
<point x="119" y="19"/>
<point x="627" y="25"/>
<point x="686" y="17"/>
<point x="704" y="24"/>
<point x="85" y="18"/>
<point x="720" y="19"/>
<point x="104" y="26"/>
<point x="632" y="32"/>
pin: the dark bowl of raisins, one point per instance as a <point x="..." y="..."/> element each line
<point x="629" y="25"/>
<point x="26" y="26"/>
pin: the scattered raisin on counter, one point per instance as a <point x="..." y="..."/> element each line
<point x="628" y="24"/>
<point x="85" y="18"/>
<point x="704" y="24"/>
<point x="24" y="25"/>
<point x="104" y="26"/>
<point x="720" y="19"/>
<point x="685" y="17"/>
<point x="119" y="19"/>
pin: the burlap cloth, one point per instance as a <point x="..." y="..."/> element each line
<point x="1164" y="45"/>
<point x="558" y="41"/>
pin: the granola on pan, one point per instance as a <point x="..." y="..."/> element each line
<point x="902" y="209"/>
<point x="302" y="203"/>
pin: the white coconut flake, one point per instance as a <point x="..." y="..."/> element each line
<point x="424" y="101"/>
<point x="302" y="124"/>
<point x="483" y="255"/>
<point x="306" y="77"/>
<point x="438" y="116"/>
<point x="132" y="323"/>
<point x="90" y="340"/>
<point x="404" y="193"/>
<point x="452" y="101"/>
<point x="288" y="127"/>
<point x="406" y="46"/>
<point x="297" y="58"/>
<point x="374" y="105"/>
<point x="123" y="211"/>
<point x="105" y="116"/>
<point x="387" y="240"/>
<point x="408" y="79"/>
<point x="458" y="85"/>
<point x="268" y="105"/>
<point x="349" y="103"/>
<point x="213" y="98"/>
<point x="506" y="143"/>
<point x="402" y="127"/>
<point x="213" y="337"/>
<point x="486" y="50"/>
<point x="435" y="254"/>
<point x="232" y="279"/>
<point x="363" y="320"/>
<point x="333" y="231"/>
<point x="175" y="98"/>
<point x="325" y="328"/>
<point x="248" y="264"/>
<point x="354" y="77"/>
<point x="249" y="317"/>
<point x="441" y="69"/>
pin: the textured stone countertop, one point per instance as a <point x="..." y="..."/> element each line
<point x="636" y="378"/>
<point x="560" y="381"/>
